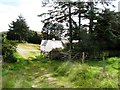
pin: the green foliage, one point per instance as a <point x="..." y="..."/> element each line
<point x="41" y="72"/>
<point x="105" y="31"/>
<point x="97" y="36"/>
<point x="52" y="30"/>
<point x="40" y="57"/>
<point x="18" y="30"/>
<point x="77" y="72"/>
<point x="34" y="37"/>
<point x="88" y="42"/>
<point x="63" y="69"/>
<point x="67" y="74"/>
<point x="8" y="50"/>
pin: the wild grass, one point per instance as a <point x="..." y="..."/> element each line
<point x="67" y="74"/>
<point x="41" y="72"/>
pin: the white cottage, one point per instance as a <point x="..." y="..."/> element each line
<point x="48" y="45"/>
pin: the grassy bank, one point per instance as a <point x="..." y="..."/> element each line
<point x="40" y="72"/>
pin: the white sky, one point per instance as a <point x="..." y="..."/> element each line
<point x="10" y="9"/>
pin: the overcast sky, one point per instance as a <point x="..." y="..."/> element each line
<point x="10" y="9"/>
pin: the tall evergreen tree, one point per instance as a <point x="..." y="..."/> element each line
<point x="106" y="29"/>
<point x="18" y="30"/>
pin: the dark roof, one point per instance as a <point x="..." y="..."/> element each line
<point x="45" y="42"/>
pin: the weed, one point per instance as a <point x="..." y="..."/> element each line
<point x="64" y="68"/>
<point x="26" y="73"/>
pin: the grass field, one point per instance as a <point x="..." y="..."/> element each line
<point x="33" y="70"/>
<point x="28" y="50"/>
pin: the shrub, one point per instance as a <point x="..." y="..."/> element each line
<point x="40" y="57"/>
<point x="8" y="49"/>
<point x="55" y="54"/>
<point x="64" y="69"/>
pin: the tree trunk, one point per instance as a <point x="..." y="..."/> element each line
<point x="91" y="17"/>
<point x="79" y="19"/>
<point x="70" y="31"/>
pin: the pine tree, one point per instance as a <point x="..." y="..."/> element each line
<point x="18" y="30"/>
